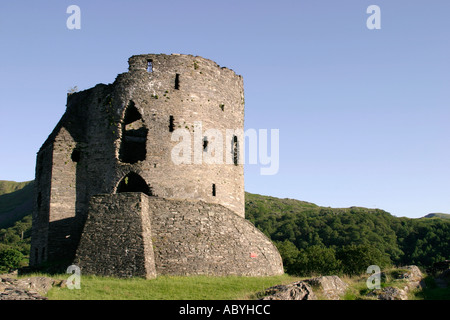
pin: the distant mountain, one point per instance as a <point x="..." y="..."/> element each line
<point x="11" y="186"/>
<point x="16" y="201"/>
<point x="438" y="215"/>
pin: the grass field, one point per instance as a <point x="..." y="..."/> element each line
<point x="168" y="288"/>
<point x="220" y="288"/>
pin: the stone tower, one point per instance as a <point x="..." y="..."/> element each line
<point x="144" y="176"/>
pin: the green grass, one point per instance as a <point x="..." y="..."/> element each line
<point x="432" y="291"/>
<point x="168" y="288"/>
<point x="219" y="288"/>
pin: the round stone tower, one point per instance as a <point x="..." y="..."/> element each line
<point x="180" y="122"/>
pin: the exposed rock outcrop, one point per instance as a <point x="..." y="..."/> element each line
<point x="332" y="287"/>
<point x="34" y="288"/>
<point x="389" y="293"/>
<point x="299" y="290"/>
<point x="412" y="278"/>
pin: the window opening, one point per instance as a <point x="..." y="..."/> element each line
<point x="149" y="65"/>
<point x="177" y="81"/>
<point x="205" y="143"/>
<point x="235" y="151"/>
<point x="214" y="189"/>
<point x="133" y="182"/>
<point x="134" y="136"/>
<point x="43" y="254"/>
<point x="171" y="124"/>
<point x="39" y="201"/>
<point x="76" y="155"/>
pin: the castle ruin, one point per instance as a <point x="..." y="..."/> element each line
<point x="109" y="197"/>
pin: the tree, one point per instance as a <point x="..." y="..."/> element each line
<point x="356" y="258"/>
<point x="10" y="259"/>
<point x="289" y="253"/>
<point x="318" y="259"/>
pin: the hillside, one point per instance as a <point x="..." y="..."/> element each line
<point x="15" y="201"/>
<point x="321" y="239"/>
<point x="438" y="215"/>
<point x="309" y="237"/>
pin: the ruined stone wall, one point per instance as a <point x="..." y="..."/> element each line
<point x="62" y="197"/>
<point x="194" y="237"/>
<point x="41" y="207"/>
<point x="131" y="234"/>
<point x="116" y="240"/>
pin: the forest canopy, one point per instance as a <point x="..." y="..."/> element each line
<point x="322" y="240"/>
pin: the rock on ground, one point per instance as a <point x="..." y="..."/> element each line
<point x="414" y="279"/>
<point x="332" y="286"/>
<point x="390" y="293"/>
<point x="298" y="290"/>
<point x="33" y="288"/>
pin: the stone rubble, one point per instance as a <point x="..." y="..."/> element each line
<point x="33" y="288"/>
<point x="333" y="288"/>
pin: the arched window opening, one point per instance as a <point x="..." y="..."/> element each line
<point x="76" y="155"/>
<point x="134" y="136"/>
<point x="131" y="114"/>
<point x="133" y="182"/>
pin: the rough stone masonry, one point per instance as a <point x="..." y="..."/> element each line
<point x="109" y="196"/>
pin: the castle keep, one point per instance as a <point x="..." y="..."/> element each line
<point x="111" y="199"/>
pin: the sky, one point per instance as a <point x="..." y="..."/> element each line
<point x="363" y="114"/>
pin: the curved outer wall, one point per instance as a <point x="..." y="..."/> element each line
<point x="206" y="94"/>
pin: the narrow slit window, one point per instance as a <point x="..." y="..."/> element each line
<point x="39" y="201"/>
<point x="214" y="190"/>
<point x="171" y="124"/>
<point x="177" y="81"/>
<point x="43" y="254"/>
<point x="149" y="65"/>
<point x="205" y="144"/>
<point x="235" y="151"/>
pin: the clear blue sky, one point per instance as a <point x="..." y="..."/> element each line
<point x="363" y="114"/>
